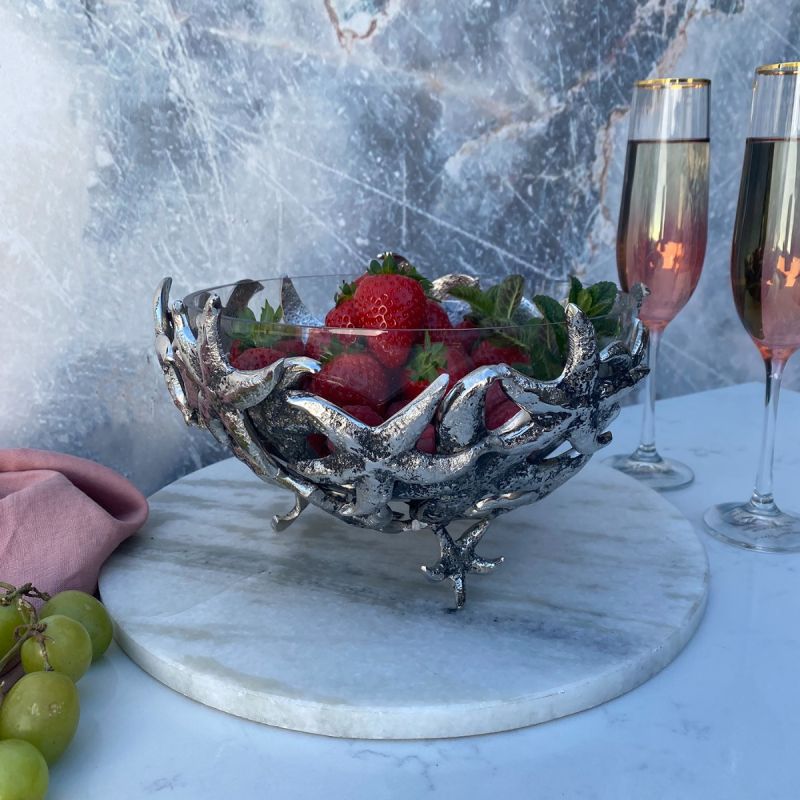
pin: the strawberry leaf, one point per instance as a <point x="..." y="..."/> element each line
<point x="427" y="361"/>
<point x="346" y="292"/>
<point x="259" y="331"/>
<point x="603" y="294"/>
<point x="508" y="296"/>
<point x="575" y="287"/>
<point x="481" y="303"/>
<point x="270" y="315"/>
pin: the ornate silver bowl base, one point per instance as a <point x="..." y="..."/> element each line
<point x="375" y="477"/>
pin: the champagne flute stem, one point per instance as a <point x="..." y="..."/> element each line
<point x="646" y="451"/>
<point x="762" y="500"/>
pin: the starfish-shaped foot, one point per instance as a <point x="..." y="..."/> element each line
<point x="458" y="559"/>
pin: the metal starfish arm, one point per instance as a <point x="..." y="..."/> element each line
<point x="528" y="484"/>
<point x="581" y="369"/>
<point x="165" y="354"/>
<point x="232" y="387"/>
<point x="461" y="417"/>
<point x="458" y="559"/>
<point x="407" y="425"/>
<point x="184" y="342"/>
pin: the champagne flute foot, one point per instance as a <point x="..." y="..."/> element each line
<point x="745" y="525"/>
<point x="657" y="473"/>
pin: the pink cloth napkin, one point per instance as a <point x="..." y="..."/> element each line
<point x="61" y="517"/>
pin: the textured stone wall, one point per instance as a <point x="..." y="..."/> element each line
<point x="217" y="140"/>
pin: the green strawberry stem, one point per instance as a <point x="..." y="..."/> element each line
<point x="427" y="360"/>
<point x="257" y="332"/>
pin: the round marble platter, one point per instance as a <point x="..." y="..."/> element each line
<point x="335" y="630"/>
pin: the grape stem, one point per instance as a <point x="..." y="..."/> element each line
<point x="14" y="592"/>
<point x="37" y="632"/>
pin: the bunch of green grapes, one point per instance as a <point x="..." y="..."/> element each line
<point x="39" y="713"/>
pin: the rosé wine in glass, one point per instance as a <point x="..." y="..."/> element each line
<point x="661" y="237"/>
<point x="765" y="278"/>
<point x="663" y="224"/>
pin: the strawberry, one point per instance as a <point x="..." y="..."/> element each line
<point x="343" y="315"/>
<point x="290" y="347"/>
<point x="499" y="407"/>
<point x="431" y="360"/>
<point x="437" y="322"/>
<point x="237" y="348"/>
<point x="388" y="299"/>
<point x="394" y="407"/>
<point x="489" y="352"/>
<point x="364" y="414"/>
<point x="256" y="358"/>
<point x="354" y="379"/>
<point x="467" y="334"/>
<point x="321" y="343"/>
<point x="318" y="344"/>
<point x="427" y="442"/>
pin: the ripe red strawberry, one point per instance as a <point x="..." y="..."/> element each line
<point x="490" y="352"/>
<point x="320" y="343"/>
<point x="237" y="348"/>
<point x="427" y="442"/>
<point x="352" y="379"/>
<point x="438" y="323"/>
<point x="256" y="358"/>
<point x="499" y="407"/>
<point x="290" y="347"/>
<point x="394" y="407"/>
<point x="467" y="334"/>
<point x="395" y="303"/>
<point x="343" y="316"/>
<point x="364" y="414"/>
<point x="431" y="360"/>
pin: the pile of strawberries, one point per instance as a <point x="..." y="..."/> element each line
<point x="372" y="377"/>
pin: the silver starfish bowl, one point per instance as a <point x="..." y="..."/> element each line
<point x="375" y="475"/>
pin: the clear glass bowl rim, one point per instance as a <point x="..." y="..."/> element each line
<point x="191" y="302"/>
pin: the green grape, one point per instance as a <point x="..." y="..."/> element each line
<point x="10" y="619"/>
<point x="23" y="771"/>
<point x="67" y="645"/>
<point x="87" y="610"/>
<point x="42" y="708"/>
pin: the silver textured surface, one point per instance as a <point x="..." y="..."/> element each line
<point x="214" y="140"/>
<point x="476" y="472"/>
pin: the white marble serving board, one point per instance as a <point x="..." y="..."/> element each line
<point x="334" y="630"/>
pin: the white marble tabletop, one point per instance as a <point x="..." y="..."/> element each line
<point x="721" y="721"/>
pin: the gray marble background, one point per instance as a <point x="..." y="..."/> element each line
<point x="217" y="140"/>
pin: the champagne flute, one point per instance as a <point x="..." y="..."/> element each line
<point x="661" y="238"/>
<point x="765" y="277"/>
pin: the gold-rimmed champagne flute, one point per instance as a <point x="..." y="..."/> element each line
<point x="765" y="278"/>
<point x="661" y="237"/>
